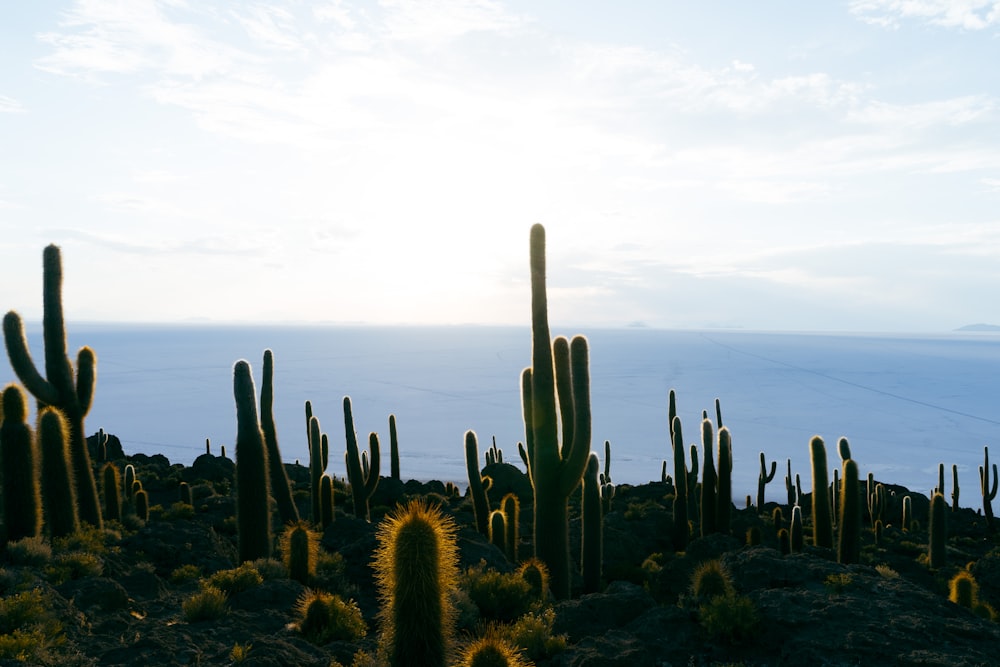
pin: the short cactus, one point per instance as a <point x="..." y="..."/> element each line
<point x="22" y="501"/>
<point x="963" y="589"/>
<point x="592" y="518"/>
<point x="988" y="487"/>
<point x="795" y="534"/>
<point x="511" y="507"/>
<point x="111" y="483"/>
<point x="498" y="530"/>
<point x="936" y="554"/>
<point x="299" y="551"/>
<point x="849" y="535"/>
<point x="58" y="490"/>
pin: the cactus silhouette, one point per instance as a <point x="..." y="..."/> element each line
<point x="326" y="501"/>
<point x="58" y="490"/>
<point x="416" y="566"/>
<point x="795" y="536"/>
<point x="253" y="520"/>
<point x="592" y="519"/>
<point x="849" y="535"/>
<point x="821" y="515"/>
<point x="988" y="488"/>
<point x="111" y="482"/>
<point x="393" y="449"/>
<point x="299" y="551"/>
<point x="316" y="465"/>
<point x="142" y="504"/>
<point x="556" y="469"/>
<point x="907" y="513"/>
<point x="22" y="501"/>
<point x="477" y="485"/>
<point x="724" y="463"/>
<point x="59" y="388"/>
<point x="498" y="530"/>
<point x="278" y="478"/>
<point x="938" y="529"/>
<point x="511" y="507"/>
<point x="763" y="479"/>
<point x="680" y="531"/>
<point x="362" y="469"/>
<point x="709" y="481"/>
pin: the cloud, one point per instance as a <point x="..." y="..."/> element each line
<point x="10" y="105"/>
<point x="963" y="14"/>
<point x="954" y="111"/>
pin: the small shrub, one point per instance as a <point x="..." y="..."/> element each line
<point x="23" y="646"/>
<point x="207" y="604"/>
<point x="330" y="574"/>
<point x="179" y="511"/>
<point x="710" y="579"/>
<point x="236" y="580"/>
<point x="730" y="619"/>
<point x="886" y="572"/>
<point x="270" y="568"/>
<point x="240" y="652"/>
<point x="532" y="633"/>
<point x="184" y="574"/>
<point x="87" y="538"/>
<point x="29" y="551"/>
<point x="491" y="649"/>
<point x="73" y="565"/>
<point x="499" y="596"/>
<point x="324" y="617"/>
<point x="838" y="583"/>
<point x="22" y="610"/>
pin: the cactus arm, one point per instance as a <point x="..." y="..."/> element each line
<point x="718" y="412"/>
<point x="575" y="464"/>
<point x="374" y="461"/>
<point x="671" y="413"/>
<point x="20" y="361"/>
<point x="543" y="399"/>
<point x="86" y="377"/>
<point x="527" y="451"/>
<point x="480" y="501"/>
<point x="393" y="448"/>
<point x="564" y="392"/>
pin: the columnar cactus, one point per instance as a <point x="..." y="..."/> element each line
<point x="821" y="515"/>
<point x="907" y="513"/>
<point x="111" y="481"/>
<point x="316" y="465"/>
<point x="938" y="529"/>
<point x="555" y="468"/>
<point x="763" y="479"/>
<point x="694" y="492"/>
<point x="988" y="488"/>
<point x="393" y="449"/>
<point x="22" y="502"/>
<point x="954" y="488"/>
<point x="416" y="566"/>
<point x="299" y="551"/>
<point x="725" y="465"/>
<point x="142" y="504"/>
<point x="795" y="534"/>
<point x="129" y="479"/>
<point x="494" y="454"/>
<point x="281" y="490"/>
<point x="253" y="519"/>
<point x="59" y="388"/>
<point x="592" y="518"/>
<point x="477" y="485"/>
<point x="511" y="507"/>
<point x="790" y="487"/>
<point x="849" y="536"/>
<point x="363" y="482"/>
<point x="58" y="490"/>
<point x="326" y="501"/>
<point x="498" y="530"/>
<point x="184" y="493"/>
<point x="681" y="532"/>
<point x="709" y="481"/>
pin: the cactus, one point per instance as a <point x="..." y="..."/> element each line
<point x="281" y="490"/>
<point x="555" y="468"/>
<point x="718" y="413"/>
<point x="784" y="541"/>
<point x="142" y="504"/>
<point x="129" y="479"/>
<point x="936" y="557"/>
<point x="795" y="536"/>
<point x="843" y="449"/>
<point x="907" y="513"/>
<point x="763" y="479"/>
<point x="849" y="535"/>
<point x="363" y="482"/>
<point x="253" y="519"/>
<point x="498" y="530"/>
<point x="536" y="574"/>
<point x="709" y="482"/>
<point x="523" y="453"/>
<point x="492" y="649"/>
<point x="511" y="507"/>
<point x="988" y="488"/>
<point x="494" y="454"/>
<point x="416" y="566"/>
<point x="22" y="501"/>
<point x="58" y="489"/>
<point x="606" y="478"/>
<point x="877" y="503"/>
<point x="963" y="589"/>
<point x="477" y="486"/>
<point x="724" y="501"/>
<point x="111" y="481"/>
<point x="790" y="486"/>
<point x="184" y="490"/>
<point x="940" y="487"/>
<point x="954" y="488"/>
<point x="835" y="495"/>
<point x="681" y="531"/>
<point x="299" y="550"/>
<point x="326" y="505"/>
<point x="102" y="446"/>
<point x="821" y="514"/>
<point x="316" y="467"/>
<point x="592" y="520"/>
<point x="393" y="449"/>
<point x="693" y="490"/>
<point x="59" y="389"/>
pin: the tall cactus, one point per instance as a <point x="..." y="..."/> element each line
<point x="938" y="529"/>
<point x="849" y="536"/>
<point x="988" y="488"/>
<point x="393" y="449"/>
<point x="362" y="470"/>
<point x="592" y="519"/>
<point x="477" y="485"/>
<point x="709" y="481"/>
<point x="280" y="488"/>
<point x="58" y="490"/>
<point x="555" y="468"/>
<point x="763" y="479"/>
<point x="681" y="532"/>
<point x="511" y="507"/>
<point x="316" y="465"/>
<point x="22" y="502"/>
<point x="253" y="518"/>
<point x="821" y="514"/>
<point x="790" y="487"/>
<point x="59" y="388"/>
<point x="724" y="506"/>
<point x="954" y="488"/>
<point x="111" y="481"/>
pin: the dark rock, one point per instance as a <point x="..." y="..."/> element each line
<point x="86" y="594"/>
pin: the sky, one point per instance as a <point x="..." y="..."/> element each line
<point x="785" y="165"/>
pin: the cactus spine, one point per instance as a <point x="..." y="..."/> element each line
<point x="821" y="515"/>
<point x="58" y="490"/>
<point x="111" y="481"/>
<point x="362" y="469"/>
<point x="416" y="564"/>
<point x="680" y="530"/>
<point x="280" y="488"/>
<point x="725" y="463"/>
<point x="709" y="481"/>
<point x="59" y="389"/>
<point x="763" y="479"/>
<point x="592" y="518"/>
<point x="988" y="488"/>
<point x="22" y="501"/>
<point x="477" y="486"/>
<point x="849" y="537"/>
<point x="253" y="520"/>
<point x="936" y="557"/>
<point x="555" y="468"/>
<point x="393" y="449"/>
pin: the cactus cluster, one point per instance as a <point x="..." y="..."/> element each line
<point x="362" y="467"/>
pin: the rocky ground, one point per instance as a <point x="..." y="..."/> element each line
<point x="116" y="598"/>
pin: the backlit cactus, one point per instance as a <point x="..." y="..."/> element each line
<point x="281" y="490"/>
<point x="362" y="467"/>
<point x="822" y="518"/>
<point x="511" y="507"/>
<point x="680" y="532"/>
<point x="763" y="479"/>
<point x="724" y="464"/>
<point x="253" y="519"/>
<point x="393" y="449"/>
<point x="477" y="485"/>
<point x="556" y="468"/>
<point x="938" y="533"/>
<point x="592" y="519"/>
<point x="59" y="388"/>
<point x="58" y="489"/>
<point x="988" y="487"/>
<point x="299" y="551"/>
<point x="22" y="501"/>
<point x="709" y="481"/>
<point x="849" y="535"/>
<point x="111" y="483"/>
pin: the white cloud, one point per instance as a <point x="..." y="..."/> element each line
<point x="437" y="21"/>
<point x="10" y="105"/>
<point x="954" y="111"/>
<point x="964" y="14"/>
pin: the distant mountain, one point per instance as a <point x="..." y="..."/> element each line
<point x="979" y="327"/>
